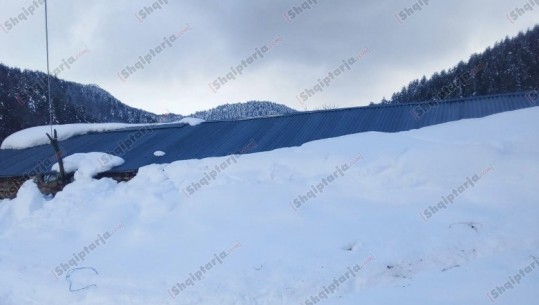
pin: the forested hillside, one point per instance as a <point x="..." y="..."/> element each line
<point x="509" y="66"/>
<point x="23" y="104"/>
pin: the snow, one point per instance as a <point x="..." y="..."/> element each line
<point x="191" y="121"/>
<point x="36" y="136"/>
<point x="159" y="153"/>
<point x="88" y="165"/>
<point x="185" y="233"/>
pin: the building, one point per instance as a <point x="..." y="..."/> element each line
<point x="221" y="138"/>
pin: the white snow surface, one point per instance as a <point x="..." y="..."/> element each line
<point x="159" y="153"/>
<point x="35" y="136"/>
<point x="229" y="230"/>
<point x="88" y="165"/>
<point x="191" y="121"/>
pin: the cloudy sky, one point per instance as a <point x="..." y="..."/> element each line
<point x="185" y="55"/>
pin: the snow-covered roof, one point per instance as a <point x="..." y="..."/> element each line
<point x="213" y="139"/>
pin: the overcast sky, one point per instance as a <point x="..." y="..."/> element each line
<point x="297" y="43"/>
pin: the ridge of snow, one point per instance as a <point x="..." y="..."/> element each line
<point x="35" y="136"/>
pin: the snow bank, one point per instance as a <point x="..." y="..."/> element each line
<point x="36" y="136"/>
<point x="88" y="165"/>
<point x="360" y="219"/>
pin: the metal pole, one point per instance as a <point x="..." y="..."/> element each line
<point x="48" y="66"/>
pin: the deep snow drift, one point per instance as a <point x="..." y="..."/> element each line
<point x="442" y="215"/>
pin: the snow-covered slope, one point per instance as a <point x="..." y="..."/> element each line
<point x="442" y="215"/>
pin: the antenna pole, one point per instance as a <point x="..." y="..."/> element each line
<point x="48" y="66"/>
<point x="53" y="137"/>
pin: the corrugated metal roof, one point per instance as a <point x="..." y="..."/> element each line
<point x="221" y="138"/>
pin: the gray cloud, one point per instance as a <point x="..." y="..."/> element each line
<point x="314" y="42"/>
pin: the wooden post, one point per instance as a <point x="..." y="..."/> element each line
<point x="58" y="153"/>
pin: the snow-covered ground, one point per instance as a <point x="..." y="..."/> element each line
<point x="35" y="136"/>
<point x="442" y="215"/>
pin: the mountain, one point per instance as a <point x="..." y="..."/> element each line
<point x="23" y="104"/>
<point x="512" y="65"/>
<point x="243" y="110"/>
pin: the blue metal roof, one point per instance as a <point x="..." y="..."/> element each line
<point x="220" y="138"/>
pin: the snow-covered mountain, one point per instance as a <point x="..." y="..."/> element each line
<point x="23" y="104"/>
<point x="236" y="111"/>
<point x="441" y="215"/>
